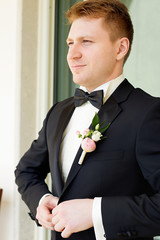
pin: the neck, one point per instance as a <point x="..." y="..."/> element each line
<point x="112" y="77"/>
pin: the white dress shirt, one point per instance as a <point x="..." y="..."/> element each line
<point x="81" y="120"/>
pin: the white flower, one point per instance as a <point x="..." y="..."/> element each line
<point x="96" y="136"/>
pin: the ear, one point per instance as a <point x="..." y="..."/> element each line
<point x="123" y="47"/>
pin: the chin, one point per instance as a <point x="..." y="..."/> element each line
<point x="79" y="82"/>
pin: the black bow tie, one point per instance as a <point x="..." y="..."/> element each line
<point x="95" y="98"/>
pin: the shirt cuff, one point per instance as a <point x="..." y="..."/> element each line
<point x="45" y="195"/>
<point x="97" y="219"/>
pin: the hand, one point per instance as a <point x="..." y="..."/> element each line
<point x="72" y="216"/>
<point x="44" y="211"/>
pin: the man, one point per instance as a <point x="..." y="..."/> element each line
<point x="115" y="192"/>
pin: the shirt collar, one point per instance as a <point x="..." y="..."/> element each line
<point x="108" y="87"/>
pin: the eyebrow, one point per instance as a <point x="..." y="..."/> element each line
<point x="68" y="39"/>
<point x="79" y="38"/>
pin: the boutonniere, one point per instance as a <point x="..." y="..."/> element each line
<point x="91" y="136"/>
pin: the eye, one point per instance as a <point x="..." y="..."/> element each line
<point x="86" y="42"/>
<point x="70" y="43"/>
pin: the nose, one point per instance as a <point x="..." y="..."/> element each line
<point x="74" y="52"/>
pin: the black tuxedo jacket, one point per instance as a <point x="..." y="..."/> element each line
<point x="124" y="169"/>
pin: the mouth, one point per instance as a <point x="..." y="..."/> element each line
<point x="78" y="66"/>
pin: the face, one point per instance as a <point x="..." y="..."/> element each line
<point x="92" y="57"/>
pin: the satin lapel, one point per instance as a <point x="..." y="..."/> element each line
<point x="73" y="172"/>
<point x="111" y="108"/>
<point x="64" y="113"/>
<point x="109" y="111"/>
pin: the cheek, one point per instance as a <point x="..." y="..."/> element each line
<point x="101" y="60"/>
<point x="68" y="61"/>
<point x="108" y="58"/>
<point x="67" y="58"/>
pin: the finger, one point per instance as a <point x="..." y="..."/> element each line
<point x="55" y="210"/>
<point x="66" y="233"/>
<point x="45" y="219"/>
<point x="59" y="227"/>
<point x="55" y="220"/>
<point x="43" y="211"/>
<point x="47" y="226"/>
<point x="46" y="222"/>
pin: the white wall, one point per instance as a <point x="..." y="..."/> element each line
<point x="10" y="27"/>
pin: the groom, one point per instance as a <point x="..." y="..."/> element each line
<point x="115" y="192"/>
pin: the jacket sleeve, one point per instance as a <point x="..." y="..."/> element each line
<point x="32" y="170"/>
<point x="128" y="217"/>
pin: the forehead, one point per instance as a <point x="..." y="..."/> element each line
<point x="87" y="27"/>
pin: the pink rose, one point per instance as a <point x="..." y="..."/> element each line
<point x="88" y="145"/>
<point x="78" y="132"/>
<point x="86" y="131"/>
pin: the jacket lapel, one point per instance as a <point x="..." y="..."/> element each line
<point x="109" y="111"/>
<point x="64" y="112"/>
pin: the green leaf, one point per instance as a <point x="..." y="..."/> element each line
<point x="103" y="138"/>
<point x="88" y="134"/>
<point x="102" y="123"/>
<point x="95" y="120"/>
<point x="105" y="128"/>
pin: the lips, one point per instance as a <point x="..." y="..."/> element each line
<point x="78" y="67"/>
